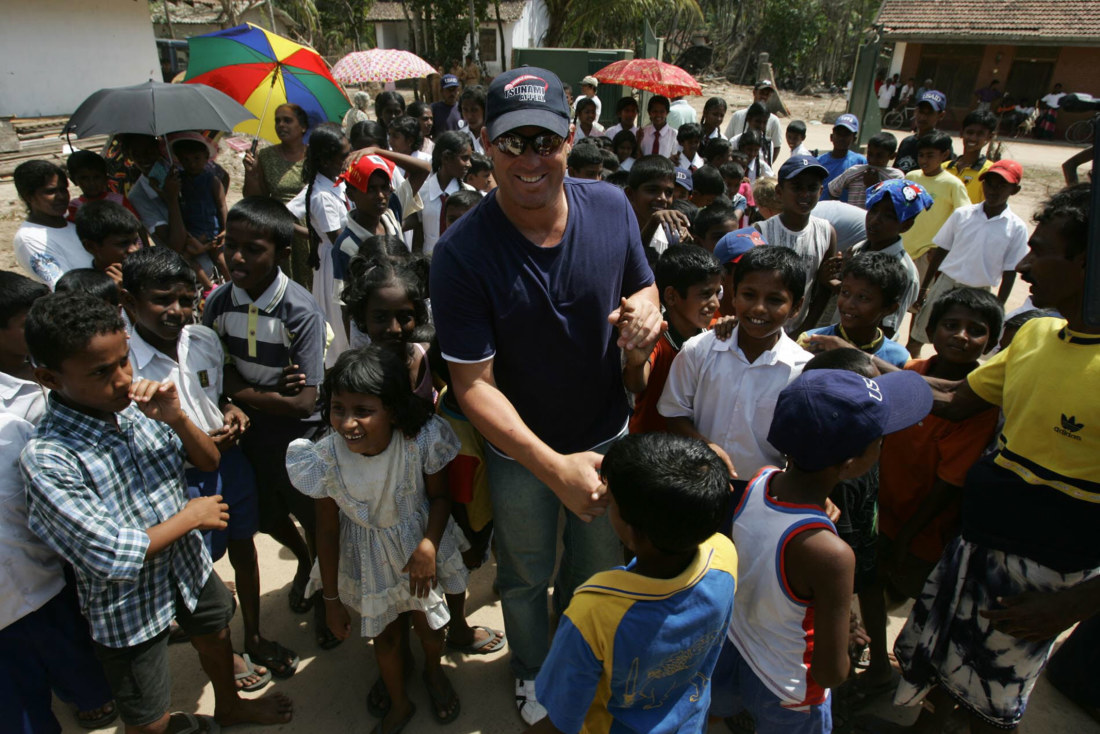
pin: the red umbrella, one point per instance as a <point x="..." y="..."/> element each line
<point x="651" y="75"/>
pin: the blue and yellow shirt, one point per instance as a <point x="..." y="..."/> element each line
<point x="635" y="653"/>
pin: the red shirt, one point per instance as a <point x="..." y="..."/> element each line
<point x="646" y="419"/>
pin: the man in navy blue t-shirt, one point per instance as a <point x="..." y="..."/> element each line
<point x="528" y="289"/>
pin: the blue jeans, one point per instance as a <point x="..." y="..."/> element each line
<point x="525" y="521"/>
<point x="735" y="687"/>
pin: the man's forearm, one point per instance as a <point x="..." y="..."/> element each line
<point x="494" y="416"/>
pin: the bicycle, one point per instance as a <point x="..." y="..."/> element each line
<point x="1080" y="132"/>
<point x="898" y="118"/>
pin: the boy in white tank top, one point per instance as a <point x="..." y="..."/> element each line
<point x="788" y="639"/>
<point x="813" y="238"/>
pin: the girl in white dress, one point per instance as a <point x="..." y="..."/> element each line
<point x="327" y="207"/>
<point x="386" y="545"/>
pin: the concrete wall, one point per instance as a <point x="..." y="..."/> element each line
<point x="527" y="32"/>
<point x="54" y="53"/>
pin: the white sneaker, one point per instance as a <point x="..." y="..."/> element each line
<point x="530" y="710"/>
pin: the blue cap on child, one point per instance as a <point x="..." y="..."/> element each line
<point x="936" y="98"/>
<point x="683" y="178"/>
<point x="848" y="120"/>
<point x="826" y="417"/>
<point x="909" y="197"/>
<point x="736" y="243"/>
<point x="798" y="164"/>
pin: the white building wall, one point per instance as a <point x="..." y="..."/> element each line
<point x="897" y="59"/>
<point x="54" y="53"/>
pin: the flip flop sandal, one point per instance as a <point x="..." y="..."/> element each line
<point x="443" y="702"/>
<point x="282" y="663"/>
<point x="322" y="634"/>
<point x="485" y="647"/>
<point x="378" y="699"/>
<point x="265" y="677"/>
<point x="195" y="724"/>
<point x="400" y="725"/>
<point x="99" y="722"/>
<point x="299" y="603"/>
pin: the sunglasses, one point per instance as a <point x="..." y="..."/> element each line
<point x="514" y="144"/>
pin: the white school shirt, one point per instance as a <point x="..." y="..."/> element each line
<point x="980" y="248"/>
<point x="197" y="375"/>
<point x="730" y="400"/>
<point x="597" y="132"/>
<point x="667" y="144"/>
<point x="430" y="194"/>
<point x="912" y="283"/>
<point x="737" y="126"/>
<point x="30" y="573"/>
<point x="22" y="398"/>
<point x="617" y="128"/>
<point x="596" y="99"/>
<point x="801" y="150"/>
<point x="47" y="253"/>
<point x="475" y="140"/>
<point x="715" y="133"/>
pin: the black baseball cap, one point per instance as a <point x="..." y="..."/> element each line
<point x="526" y="96"/>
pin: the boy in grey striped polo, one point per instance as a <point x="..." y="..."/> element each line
<point x="271" y="327"/>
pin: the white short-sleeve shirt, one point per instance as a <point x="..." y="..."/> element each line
<point x="430" y="193"/>
<point x="980" y="248"/>
<point x="197" y="375"/>
<point x="30" y="573"/>
<point x="730" y="400"/>
<point x="47" y="253"/>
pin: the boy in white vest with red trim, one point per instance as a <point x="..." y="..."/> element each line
<point x="788" y="638"/>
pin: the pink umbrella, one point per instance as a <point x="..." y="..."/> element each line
<point x="380" y="65"/>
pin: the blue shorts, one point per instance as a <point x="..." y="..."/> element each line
<point x="735" y="688"/>
<point x="236" y="483"/>
<point x="50" y="648"/>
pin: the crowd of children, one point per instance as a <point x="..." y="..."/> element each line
<point x="788" y="458"/>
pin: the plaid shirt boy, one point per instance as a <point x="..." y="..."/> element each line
<point x="93" y="489"/>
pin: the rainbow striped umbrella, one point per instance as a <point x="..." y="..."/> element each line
<point x="262" y="70"/>
<point x="381" y="65"/>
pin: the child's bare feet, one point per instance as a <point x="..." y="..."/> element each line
<point x="274" y="708"/>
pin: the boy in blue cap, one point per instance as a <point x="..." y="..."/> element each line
<point x="841" y="158"/>
<point x="445" y="113"/>
<point x="801" y="180"/>
<point x="729" y="251"/>
<point x="788" y="640"/>
<point x="931" y="107"/>
<point x="892" y="208"/>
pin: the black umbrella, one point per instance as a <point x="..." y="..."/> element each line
<point x="156" y="108"/>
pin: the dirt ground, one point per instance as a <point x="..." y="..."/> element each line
<point x="330" y="688"/>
